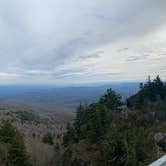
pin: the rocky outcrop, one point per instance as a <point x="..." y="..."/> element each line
<point x="160" y="139"/>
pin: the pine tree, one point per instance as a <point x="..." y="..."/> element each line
<point x="111" y="100"/>
<point x="17" y="155"/>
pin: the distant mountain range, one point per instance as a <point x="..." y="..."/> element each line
<point x="55" y="98"/>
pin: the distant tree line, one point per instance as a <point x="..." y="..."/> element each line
<point x="151" y="91"/>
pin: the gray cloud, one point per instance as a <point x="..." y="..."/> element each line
<point x="122" y="49"/>
<point x="38" y="38"/>
<point x="137" y="58"/>
<point x="163" y="68"/>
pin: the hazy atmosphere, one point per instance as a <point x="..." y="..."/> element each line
<point x="61" y="42"/>
<point x="82" y="82"/>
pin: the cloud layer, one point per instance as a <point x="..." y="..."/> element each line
<point x="81" y="41"/>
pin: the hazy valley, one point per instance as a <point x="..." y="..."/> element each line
<point x="57" y="98"/>
<point x="38" y="110"/>
<point x="82" y="82"/>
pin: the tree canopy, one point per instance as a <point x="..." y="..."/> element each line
<point x="150" y="91"/>
<point x="14" y="143"/>
<point x="120" y="136"/>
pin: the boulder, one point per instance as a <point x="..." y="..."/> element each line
<point x="160" y="139"/>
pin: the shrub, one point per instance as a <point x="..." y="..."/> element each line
<point x="48" y="139"/>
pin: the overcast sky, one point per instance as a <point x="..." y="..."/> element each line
<point x="77" y="41"/>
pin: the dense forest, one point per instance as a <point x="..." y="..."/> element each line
<point x="109" y="132"/>
<point x="112" y="133"/>
<point x="12" y="146"/>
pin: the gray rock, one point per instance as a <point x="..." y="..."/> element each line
<point x="159" y="137"/>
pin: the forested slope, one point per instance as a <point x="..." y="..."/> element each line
<point x="109" y="133"/>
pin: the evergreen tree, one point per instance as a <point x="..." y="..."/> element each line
<point x="48" y="139"/>
<point x="150" y="91"/>
<point x="111" y="100"/>
<point x="17" y="155"/>
<point x="114" y="151"/>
